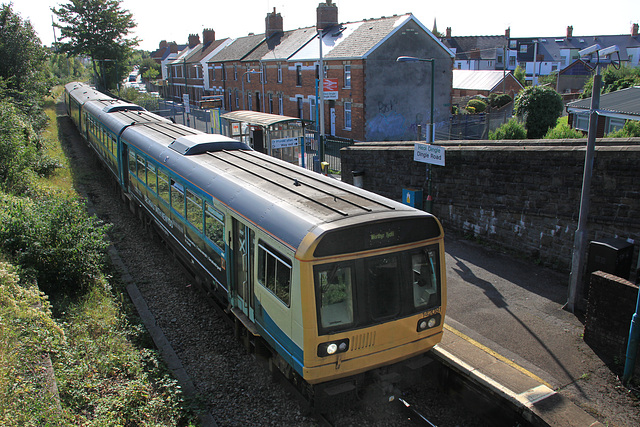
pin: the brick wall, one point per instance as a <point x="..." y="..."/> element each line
<point x="612" y="302"/>
<point x="522" y="195"/>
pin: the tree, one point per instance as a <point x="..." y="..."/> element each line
<point x="613" y="79"/>
<point x="520" y="75"/>
<point x="24" y="74"/>
<point x="98" y="29"/>
<point x="478" y="105"/>
<point x="540" y="108"/>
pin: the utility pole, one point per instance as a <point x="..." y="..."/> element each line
<point x="321" y="90"/>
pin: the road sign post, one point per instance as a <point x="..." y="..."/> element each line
<point x="431" y="155"/>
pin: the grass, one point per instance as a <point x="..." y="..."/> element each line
<point x="87" y="362"/>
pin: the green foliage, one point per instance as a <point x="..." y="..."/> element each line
<point x="144" y="99"/>
<point x="550" y="80"/>
<point x="631" y="129"/>
<point x="28" y="334"/>
<point x="499" y="100"/>
<point x="98" y="29"/>
<point x="18" y="149"/>
<point x="149" y="69"/>
<point x="54" y="240"/>
<point x="66" y="69"/>
<point x="510" y="130"/>
<point x="540" y="108"/>
<point x="24" y="75"/>
<point x="478" y="105"/>
<point x="520" y="75"/>
<point x="614" y="79"/>
<point x="563" y="131"/>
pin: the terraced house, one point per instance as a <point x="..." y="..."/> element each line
<point x="367" y="94"/>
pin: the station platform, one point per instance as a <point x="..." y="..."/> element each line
<point x="507" y="331"/>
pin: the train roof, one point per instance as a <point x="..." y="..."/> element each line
<point x="283" y="199"/>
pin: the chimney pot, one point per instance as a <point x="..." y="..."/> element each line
<point x="634" y="30"/>
<point x="507" y="33"/>
<point x="448" y="32"/>
<point x="570" y="31"/>
<point x="273" y="24"/>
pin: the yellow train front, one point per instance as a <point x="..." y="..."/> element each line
<point x="375" y="295"/>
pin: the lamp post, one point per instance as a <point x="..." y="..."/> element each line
<point x="252" y="71"/>
<point x="580" y="239"/>
<point x="431" y="131"/>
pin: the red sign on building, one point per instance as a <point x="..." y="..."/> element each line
<point x="330" y="88"/>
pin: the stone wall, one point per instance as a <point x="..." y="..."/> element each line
<point x="522" y="195"/>
<point x="612" y="302"/>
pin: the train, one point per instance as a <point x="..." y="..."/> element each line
<point x="333" y="280"/>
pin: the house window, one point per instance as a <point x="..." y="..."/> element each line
<point x="312" y="109"/>
<point x="237" y="100"/>
<point x="347" y="115"/>
<point x="250" y="102"/>
<point x="213" y="73"/>
<point x="280" y="105"/>
<point x="248" y="73"/>
<point x="347" y="76"/>
<point x="271" y="103"/>
<point x="300" y="108"/>
<point x="581" y="121"/>
<point x="235" y="72"/>
<point x="523" y="48"/>
<point x="298" y="75"/>
<point x="615" y="124"/>
<point x="512" y="61"/>
<point x="279" y="73"/>
<point x="230" y="103"/>
<point x="499" y="59"/>
<point x="224" y="73"/>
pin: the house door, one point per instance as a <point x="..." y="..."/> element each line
<point x="333" y="121"/>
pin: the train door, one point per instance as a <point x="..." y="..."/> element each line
<point x="124" y="168"/>
<point x="243" y="238"/>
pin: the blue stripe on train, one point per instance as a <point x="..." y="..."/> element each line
<point x="283" y="344"/>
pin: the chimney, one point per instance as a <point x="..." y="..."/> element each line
<point x="194" y="40"/>
<point x="507" y="33"/>
<point x="327" y="14"/>
<point x="570" y="31"/>
<point x="634" y="30"/>
<point x="163" y="44"/>
<point x="273" y="24"/>
<point x="173" y="47"/>
<point x="448" y="32"/>
<point x="208" y="35"/>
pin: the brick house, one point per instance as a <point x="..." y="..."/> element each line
<point x="373" y="97"/>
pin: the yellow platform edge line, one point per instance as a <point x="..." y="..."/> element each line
<point x="497" y="356"/>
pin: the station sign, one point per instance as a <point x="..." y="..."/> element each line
<point x="428" y="153"/>
<point x="330" y="89"/>
<point x="284" y="142"/>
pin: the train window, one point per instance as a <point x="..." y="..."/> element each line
<point x="194" y="210"/>
<point x="382" y="278"/>
<point x="274" y="272"/>
<point x="142" y="169"/>
<point x="334" y="283"/>
<point x="214" y="225"/>
<point x="177" y="197"/>
<point x="163" y="185"/>
<point x="424" y="279"/>
<point x="132" y="162"/>
<point x="152" y="177"/>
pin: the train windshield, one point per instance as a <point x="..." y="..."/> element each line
<point x="362" y="292"/>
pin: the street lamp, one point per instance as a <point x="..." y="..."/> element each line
<point x="252" y="71"/>
<point x="431" y="132"/>
<point x="580" y="238"/>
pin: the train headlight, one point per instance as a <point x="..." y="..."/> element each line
<point x="428" y="322"/>
<point x="333" y="347"/>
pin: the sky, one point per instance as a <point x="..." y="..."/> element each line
<point x="174" y="20"/>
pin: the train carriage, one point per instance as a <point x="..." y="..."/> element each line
<point x="336" y="280"/>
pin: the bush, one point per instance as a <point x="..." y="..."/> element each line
<point x="630" y="129"/>
<point x="540" y="108"/>
<point x="510" y="130"/>
<point x="18" y="148"/>
<point x="499" y="100"/>
<point x="54" y="240"/>
<point x="477" y="105"/>
<point x="563" y="131"/>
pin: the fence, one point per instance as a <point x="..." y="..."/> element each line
<point x="475" y="126"/>
<point x="332" y="147"/>
<point x="196" y="118"/>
